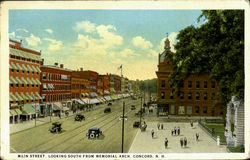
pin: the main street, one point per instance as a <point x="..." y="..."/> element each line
<point x="73" y="137"/>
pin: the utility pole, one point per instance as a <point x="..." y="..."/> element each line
<point x="123" y="124"/>
<point x="35" y="115"/>
<point x="141" y="111"/>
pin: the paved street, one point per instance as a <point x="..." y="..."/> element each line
<point x="144" y="143"/>
<point x="73" y="138"/>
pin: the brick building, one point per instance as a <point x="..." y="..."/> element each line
<point x="56" y="89"/>
<point x="196" y="96"/>
<point x="24" y="81"/>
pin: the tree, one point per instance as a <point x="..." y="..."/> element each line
<point x="215" y="47"/>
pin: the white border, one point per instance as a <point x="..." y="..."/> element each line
<point x="116" y="5"/>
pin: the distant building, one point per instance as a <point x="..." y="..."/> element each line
<point x="235" y="122"/>
<point x="24" y="78"/>
<point x="80" y="87"/>
<point x="196" y="96"/>
<point x="56" y="89"/>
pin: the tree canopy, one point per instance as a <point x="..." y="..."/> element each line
<point x="215" y="47"/>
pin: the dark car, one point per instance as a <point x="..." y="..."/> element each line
<point x="107" y="110"/>
<point x="56" y="127"/>
<point x="136" y="124"/>
<point x="109" y="104"/>
<point x="94" y="132"/>
<point x="79" y="117"/>
<point x="132" y="107"/>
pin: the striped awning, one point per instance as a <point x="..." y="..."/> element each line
<point x="38" y="69"/>
<point x="24" y="67"/>
<point x="13" y="97"/>
<point x="29" y="96"/>
<point x="24" y="97"/>
<point x="38" y="95"/>
<point x="33" y="81"/>
<point x="13" y="66"/>
<point x="19" y="67"/>
<point x="19" y="81"/>
<point x="86" y="94"/>
<point x="12" y="80"/>
<point x="29" y="81"/>
<point x="19" y="97"/>
<point x="34" y="68"/>
<point x="38" y="82"/>
<point x="29" y="68"/>
<point x="24" y="81"/>
<point x="83" y="94"/>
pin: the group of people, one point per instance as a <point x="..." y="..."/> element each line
<point x="176" y="131"/>
<point x="160" y="126"/>
<point x="183" y="142"/>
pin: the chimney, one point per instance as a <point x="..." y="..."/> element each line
<point x="56" y="64"/>
<point x="61" y="65"/>
<point x="81" y="69"/>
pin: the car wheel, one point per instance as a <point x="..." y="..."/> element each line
<point x="92" y="135"/>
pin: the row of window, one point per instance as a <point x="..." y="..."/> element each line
<point x="24" y="59"/>
<point x="58" y="77"/>
<point x="78" y="86"/>
<point x="23" y="85"/>
<point x="55" y="97"/>
<point x="56" y="87"/>
<point x="189" y="85"/>
<point x="26" y="101"/>
<point x="23" y="72"/>
<point x="197" y="96"/>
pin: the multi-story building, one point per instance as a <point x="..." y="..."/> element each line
<point x="196" y="96"/>
<point x="56" y="89"/>
<point x="24" y="78"/>
<point x="117" y="86"/>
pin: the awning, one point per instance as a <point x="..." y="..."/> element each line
<point x="100" y="99"/>
<point x="93" y="94"/>
<point x="18" y="111"/>
<point x="38" y="69"/>
<point x="33" y="81"/>
<point x="19" y="97"/>
<point x="37" y="95"/>
<point x="34" y="68"/>
<point x="79" y="101"/>
<point x="94" y="100"/>
<point x="29" y="81"/>
<point x="29" y="96"/>
<point x="24" y="67"/>
<point x="14" y="98"/>
<point x="29" y="68"/>
<point x="13" y="112"/>
<point x="24" y="81"/>
<point x="86" y="100"/>
<point x="83" y="94"/>
<point x="24" y="97"/>
<point x="19" y="81"/>
<point x="87" y="94"/>
<point x="12" y="80"/>
<point x="56" y="108"/>
<point x="28" y="109"/>
<point x="19" y="67"/>
<point x="104" y="100"/>
<point x="107" y="98"/>
<point x="59" y="105"/>
<point x="113" y="97"/>
<point x="106" y="92"/>
<point x="13" y="65"/>
<point x="37" y="81"/>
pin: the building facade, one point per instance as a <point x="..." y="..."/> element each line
<point x="24" y="81"/>
<point x="196" y="96"/>
<point x="56" y="89"/>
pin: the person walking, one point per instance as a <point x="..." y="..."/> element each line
<point x="152" y="133"/>
<point x="158" y="126"/>
<point x="162" y="126"/>
<point x="178" y="130"/>
<point x="191" y="123"/>
<point x="185" y="142"/>
<point x="174" y="130"/>
<point x="181" y="142"/>
<point x="166" y="142"/>
<point x="197" y="136"/>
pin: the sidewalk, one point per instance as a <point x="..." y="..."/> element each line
<point x="143" y="141"/>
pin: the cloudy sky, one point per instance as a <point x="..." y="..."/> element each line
<point x="101" y="40"/>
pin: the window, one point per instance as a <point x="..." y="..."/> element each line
<point x="197" y="109"/>
<point x="12" y="70"/>
<point x="181" y="110"/>
<point x="22" y="71"/>
<point x="17" y="70"/>
<point x="182" y="84"/>
<point x="43" y="98"/>
<point x="32" y="85"/>
<point x="44" y="76"/>
<point x="37" y="72"/>
<point x="11" y="85"/>
<point x="162" y="83"/>
<point x="197" y="96"/>
<point x="189" y="84"/>
<point x="205" y="84"/>
<point x="189" y="109"/>
<point x="22" y="85"/>
<point x="37" y="85"/>
<point x="182" y="95"/>
<point x="189" y="95"/>
<point x="162" y="95"/>
<point x="172" y="110"/>
<point x="28" y="85"/>
<point x="172" y="95"/>
<point x="28" y="72"/>
<point x="213" y="96"/>
<point x="197" y="84"/>
<point x="204" y="109"/>
<point x="32" y="72"/>
<point x="205" y="96"/>
<point x="213" y="84"/>
<point x="16" y="85"/>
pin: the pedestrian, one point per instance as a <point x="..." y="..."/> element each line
<point x="162" y="126"/>
<point x="158" y="125"/>
<point x="166" y="142"/>
<point x="152" y="133"/>
<point x="174" y="130"/>
<point x="59" y="115"/>
<point x="191" y="123"/>
<point x="185" y="141"/>
<point x="181" y="141"/>
<point x="197" y="136"/>
<point x="178" y="130"/>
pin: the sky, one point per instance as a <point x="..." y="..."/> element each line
<point x="101" y="40"/>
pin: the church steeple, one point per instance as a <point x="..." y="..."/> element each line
<point x="167" y="44"/>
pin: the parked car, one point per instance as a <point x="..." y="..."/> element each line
<point x="109" y="104"/>
<point x="94" y="132"/>
<point x="79" y="117"/>
<point x="107" y="110"/>
<point x="136" y="124"/>
<point x="132" y="107"/>
<point x="56" y="127"/>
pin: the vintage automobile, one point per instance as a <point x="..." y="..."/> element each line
<point x="136" y="124"/>
<point x="109" y="104"/>
<point x="132" y="107"/>
<point x="94" y="132"/>
<point x="107" y="110"/>
<point x="56" y="127"/>
<point x="79" y="117"/>
<point x="143" y="127"/>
